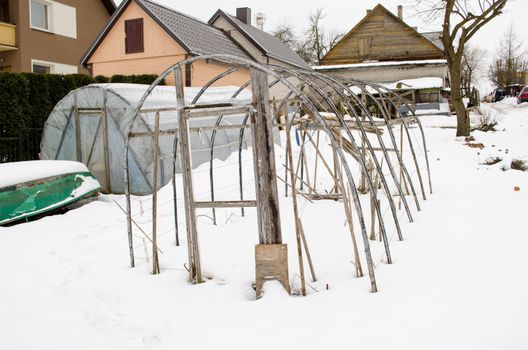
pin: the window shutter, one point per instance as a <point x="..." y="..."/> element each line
<point x="134" y="35"/>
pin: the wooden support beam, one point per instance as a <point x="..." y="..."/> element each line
<point x="264" y="161"/>
<point x="78" y="144"/>
<point x="195" y="273"/>
<point x="226" y="204"/>
<point x="155" y="260"/>
<point x="108" y="178"/>
<point x="215" y="111"/>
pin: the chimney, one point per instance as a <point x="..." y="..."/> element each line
<point x="368" y="11"/>
<point x="244" y="14"/>
<point x="400" y="12"/>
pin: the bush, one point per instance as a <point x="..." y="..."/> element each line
<point x="118" y="78"/>
<point x="39" y="99"/>
<point x="14" y="105"/>
<point x="59" y="86"/>
<point x="101" y="79"/>
<point x="146" y="79"/>
<point x="82" y="80"/>
<point x="26" y="99"/>
<point x="519" y="164"/>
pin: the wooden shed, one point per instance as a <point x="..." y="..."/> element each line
<point x="383" y="36"/>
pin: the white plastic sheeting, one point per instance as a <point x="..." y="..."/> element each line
<point x="119" y="102"/>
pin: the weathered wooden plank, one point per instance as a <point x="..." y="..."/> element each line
<point x="264" y="161"/>
<point x="226" y="204"/>
<point x="382" y="36"/>
<point x="155" y="260"/>
<point x="195" y="273"/>
<point x="216" y="111"/>
<point x="106" y="146"/>
<point x="78" y="150"/>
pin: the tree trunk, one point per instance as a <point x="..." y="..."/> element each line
<point x="463" y="125"/>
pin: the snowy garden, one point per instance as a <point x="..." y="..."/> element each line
<point x="456" y="278"/>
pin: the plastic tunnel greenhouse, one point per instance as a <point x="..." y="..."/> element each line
<point x="90" y="125"/>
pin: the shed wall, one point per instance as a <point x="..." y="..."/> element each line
<point x="391" y="73"/>
<point x="383" y="37"/>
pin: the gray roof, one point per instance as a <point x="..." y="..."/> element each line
<point x="435" y="38"/>
<point x="195" y="36"/>
<point x="266" y="43"/>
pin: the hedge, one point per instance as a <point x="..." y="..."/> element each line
<point x="26" y="99"/>
<point x="14" y="103"/>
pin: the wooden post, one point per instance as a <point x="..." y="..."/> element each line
<point x="362" y="181"/>
<point x="195" y="273"/>
<point x="349" y="218"/>
<point x="78" y="149"/>
<point x="264" y="162"/>
<point x="296" y="213"/>
<point x="316" y="163"/>
<point x="271" y="257"/>
<point x="155" y="260"/>
<point x="108" y="178"/>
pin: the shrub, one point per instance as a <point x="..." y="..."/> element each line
<point x="146" y="79"/>
<point x="82" y="80"/>
<point x="101" y="79"/>
<point x="59" y="86"/>
<point x="118" y="78"/>
<point x="14" y="103"/>
<point x="519" y="164"/>
<point x="39" y="99"/>
<point x="26" y="99"/>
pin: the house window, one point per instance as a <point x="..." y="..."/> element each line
<point x="4" y="11"/>
<point x="39" y="15"/>
<point x="41" y="68"/>
<point x="134" y="35"/>
<point x="188" y="75"/>
<point x="47" y="67"/>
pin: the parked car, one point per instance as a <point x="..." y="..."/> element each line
<point x="523" y="95"/>
<point x="514" y="90"/>
<point x="488" y="98"/>
<point x="498" y="95"/>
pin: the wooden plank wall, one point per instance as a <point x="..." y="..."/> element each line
<point x="381" y="36"/>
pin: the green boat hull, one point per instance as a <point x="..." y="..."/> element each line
<point x="25" y="200"/>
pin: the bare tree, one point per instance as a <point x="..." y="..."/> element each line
<point x="317" y="39"/>
<point x="471" y="67"/>
<point x="462" y="19"/>
<point x="510" y="64"/>
<point x="315" y="36"/>
<point x="316" y="42"/>
<point x="285" y="33"/>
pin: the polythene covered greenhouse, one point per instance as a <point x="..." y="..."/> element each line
<point x="91" y="123"/>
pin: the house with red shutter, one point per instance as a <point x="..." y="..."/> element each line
<point x="144" y="37"/>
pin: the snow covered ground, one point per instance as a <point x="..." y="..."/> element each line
<point x="458" y="280"/>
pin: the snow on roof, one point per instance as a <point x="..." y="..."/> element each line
<point x="416" y="84"/>
<point x="407" y="84"/>
<point x="20" y="172"/>
<point x="382" y="64"/>
<point x="165" y="96"/>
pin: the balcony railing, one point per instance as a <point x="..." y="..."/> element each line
<point x="7" y="36"/>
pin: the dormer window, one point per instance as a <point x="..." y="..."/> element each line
<point x="134" y="36"/>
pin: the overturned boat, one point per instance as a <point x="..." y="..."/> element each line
<point x="36" y="188"/>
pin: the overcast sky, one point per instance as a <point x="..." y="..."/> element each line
<point x="341" y="15"/>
